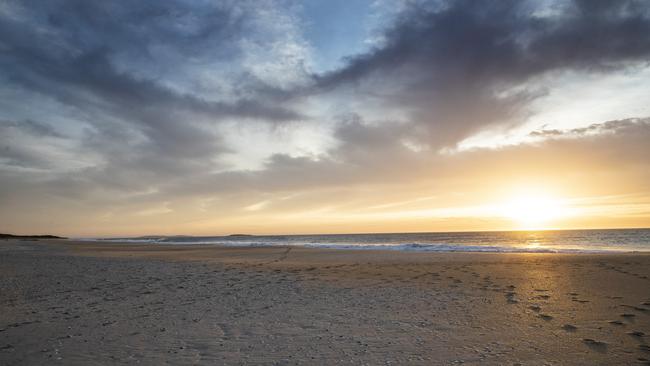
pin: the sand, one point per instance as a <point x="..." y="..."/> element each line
<point x="77" y="303"/>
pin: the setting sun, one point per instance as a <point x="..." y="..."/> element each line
<point x="533" y="209"/>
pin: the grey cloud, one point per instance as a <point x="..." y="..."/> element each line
<point x="114" y="65"/>
<point x="374" y="156"/>
<point x="473" y="41"/>
<point x="94" y="56"/>
<point x="30" y="127"/>
<point x="19" y="156"/>
<point x="15" y="145"/>
<point x="608" y="156"/>
<point x="623" y="126"/>
<point x="450" y="62"/>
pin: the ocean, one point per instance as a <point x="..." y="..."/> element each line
<point x="546" y="241"/>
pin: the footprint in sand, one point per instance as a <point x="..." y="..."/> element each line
<point x="580" y="301"/>
<point x="636" y="334"/>
<point x="510" y="297"/>
<point x="546" y="317"/>
<point x="637" y="308"/>
<point x="628" y="315"/>
<point x="569" y="328"/>
<point x="535" y="308"/>
<point x="644" y="347"/>
<point x="595" y="345"/>
<point x="616" y="322"/>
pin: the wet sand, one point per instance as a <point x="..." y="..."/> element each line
<point x="79" y="303"/>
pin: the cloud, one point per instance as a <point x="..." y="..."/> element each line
<point x="624" y="126"/>
<point x="117" y="107"/>
<point x="360" y="173"/>
<point x="27" y="145"/>
<point x="117" y="64"/>
<point x="30" y="127"/>
<point x="462" y="66"/>
<point x="137" y="90"/>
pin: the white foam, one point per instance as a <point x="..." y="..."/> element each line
<point x="411" y="247"/>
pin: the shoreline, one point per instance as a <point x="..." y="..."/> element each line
<point x="392" y="248"/>
<point x="196" y="250"/>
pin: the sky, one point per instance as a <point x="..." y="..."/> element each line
<point x="213" y="117"/>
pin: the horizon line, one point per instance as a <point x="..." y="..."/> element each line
<point x="357" y="233"/>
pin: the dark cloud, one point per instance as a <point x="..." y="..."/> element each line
<point x="475" y="41"/>
<point x="99" y="58"/>
<point x="21" y="157"/>
<point x="30" y="127"/>
<point x="124" y="71"/>
<point x="452" y="63"/>
<point x="16" y="139"/>
<point x="623" y="126"/>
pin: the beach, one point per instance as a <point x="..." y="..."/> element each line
<point x="90" y="303"/>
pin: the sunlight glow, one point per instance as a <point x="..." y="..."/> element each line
<point x="533" y="209"/>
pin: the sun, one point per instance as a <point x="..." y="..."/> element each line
<point x="533" y="209"/>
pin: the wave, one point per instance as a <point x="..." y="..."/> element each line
<point x="553" y="241"/>
<point x="405" y="247"/>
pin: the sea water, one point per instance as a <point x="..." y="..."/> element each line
<point x="559" y="241"/>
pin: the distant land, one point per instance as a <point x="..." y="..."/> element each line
<point x="10" y="236"/>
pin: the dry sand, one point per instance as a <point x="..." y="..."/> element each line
<point x="78" y="303"/>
